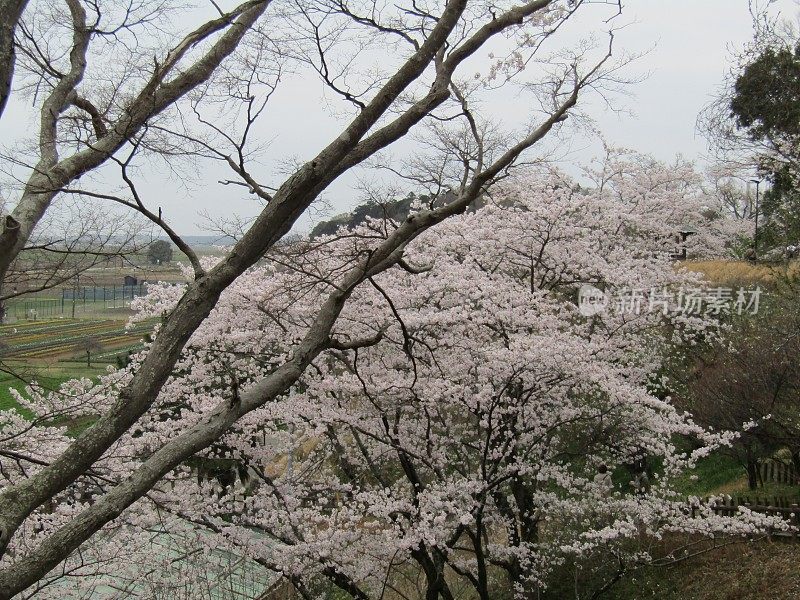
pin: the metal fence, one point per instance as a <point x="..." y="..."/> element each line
<point x="72" y="302"/>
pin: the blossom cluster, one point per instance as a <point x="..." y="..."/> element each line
<point x="460" y="412"/>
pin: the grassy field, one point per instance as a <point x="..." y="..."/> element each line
<point x="49" y="377"/>
<point x="721" y="474"/>
<point x="52" y="352"/>
<point x="743" y="273"/>
<point x="714" y="474"/>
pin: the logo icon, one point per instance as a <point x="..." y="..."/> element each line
<point x="591" y="300"/>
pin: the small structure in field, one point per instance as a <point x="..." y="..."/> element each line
<point x="90" y="344"/>
<point x="681" y="236"/>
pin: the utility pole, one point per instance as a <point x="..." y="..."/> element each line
<point x="75" y="292"/>
<point x="755" y="234"/>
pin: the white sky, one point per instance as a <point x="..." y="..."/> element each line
<point x="692" y="43"/>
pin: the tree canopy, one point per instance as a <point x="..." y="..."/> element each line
<point x="452" y="421"/>
<point x="159" y="252"/>
<point x="766" y="94"/>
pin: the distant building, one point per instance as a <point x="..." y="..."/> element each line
<point x="130" y="281"/>
<point x="680" y="238"/>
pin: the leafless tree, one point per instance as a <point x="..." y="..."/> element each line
<point x="89" y="344"/>
<point x="732" y="188"/>
<point x="83" y="123"/>
<point x="392" y="68"/>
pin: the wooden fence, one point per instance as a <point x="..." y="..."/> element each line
<point x="786" y="507"/>
<point x="775" y="471"/>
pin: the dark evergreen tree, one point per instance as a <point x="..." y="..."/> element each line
<point x="766" y="104"/>
<point x="159" y="252"/>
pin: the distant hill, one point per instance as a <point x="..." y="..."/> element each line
<point x="208" y="240"/>
<point x="396" y="210"/>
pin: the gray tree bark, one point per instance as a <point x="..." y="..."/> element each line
<point x="10" y="13"/>
<point x="288" y="203"/>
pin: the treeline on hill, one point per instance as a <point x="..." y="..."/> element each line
<point x="395" y="210"/>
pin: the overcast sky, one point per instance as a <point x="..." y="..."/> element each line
<point x="694" y="41"/>
<point x="691" y="44"/>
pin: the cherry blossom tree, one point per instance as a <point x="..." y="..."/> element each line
<point x="431" y="76"/>
<point x="446" y="431"/>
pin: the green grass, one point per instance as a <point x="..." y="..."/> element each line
<point x="722" y="474"/>
<point x="7" y="400"/>
<point x="48" y="377"/>
<point x="712" y="473"/>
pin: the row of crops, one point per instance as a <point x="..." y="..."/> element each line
<point x="62" y="338"/>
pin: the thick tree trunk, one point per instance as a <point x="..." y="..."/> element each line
<point x="9" y="235"/>
<point x="9" y="231"/>
<point x="19" y="225"/>
<point x="10" y="13"/>
<point x="752" y="473"/>
<point x="288" y="203"/>
<point x="283" y="209"/>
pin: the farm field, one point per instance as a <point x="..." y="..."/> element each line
<point x="63" y="339"/>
